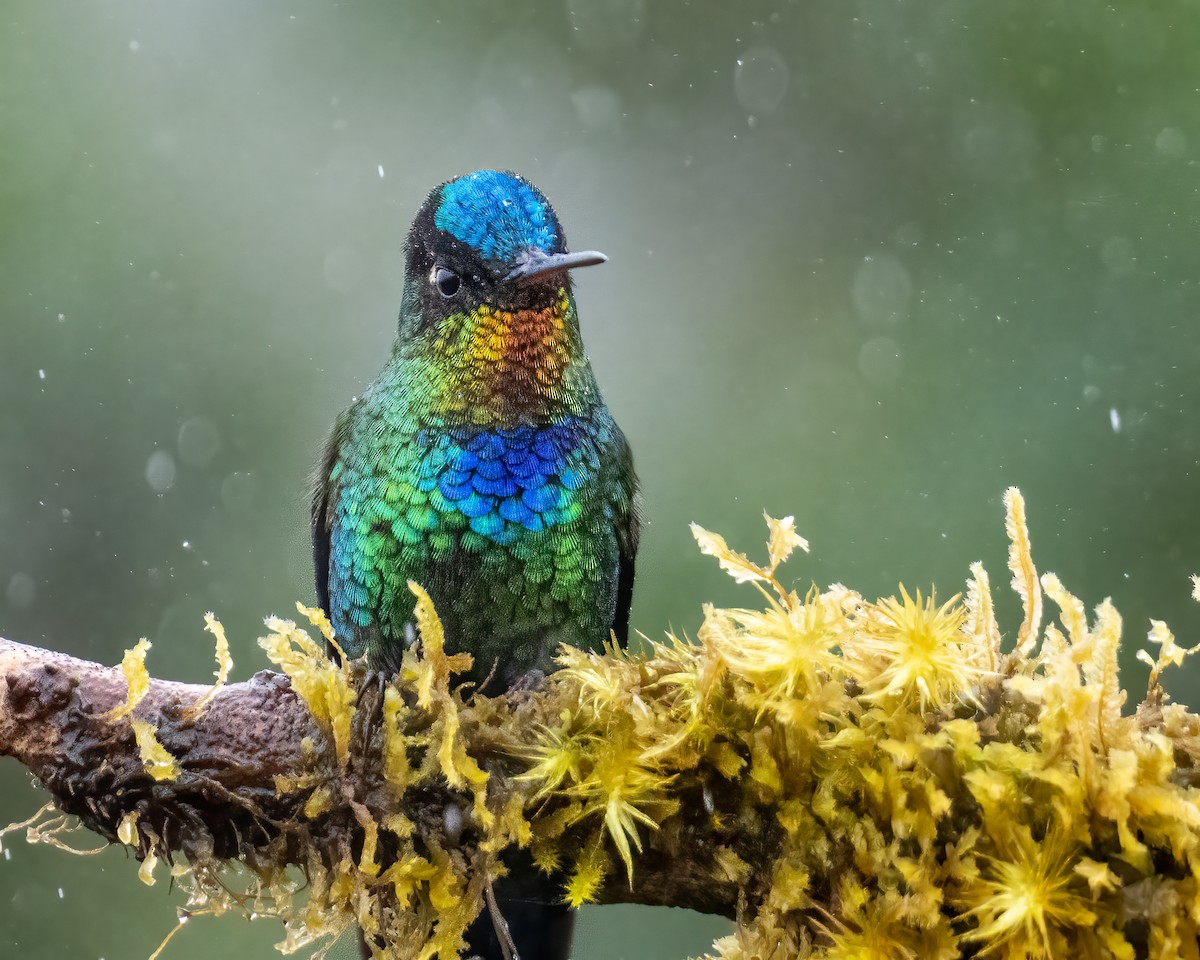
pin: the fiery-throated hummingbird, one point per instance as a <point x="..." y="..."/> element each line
<point x="482" y="463"/>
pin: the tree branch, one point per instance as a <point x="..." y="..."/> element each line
<point x="225" y="802"/>
<point x="843" y="777"/>
<point x="54" y="720"/>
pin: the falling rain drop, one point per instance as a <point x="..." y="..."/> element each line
<point x="199" y="441"/>
<point x="881" y="292"/>
<point x="1170" y="143"/>
<point x="22" y="590"/>
<point x="760" y="80"/>
<point x="998" y="141"/>
<point x="160" y="471"/>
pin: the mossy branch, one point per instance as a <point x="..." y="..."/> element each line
<point x="225" y="802"/>
<point x="844" y="778"/>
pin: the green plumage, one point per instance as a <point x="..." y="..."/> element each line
<point x="482" y="462"/>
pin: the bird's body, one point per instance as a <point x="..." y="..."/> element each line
<point x="482" y="462"/>
<point x="509" y="517"/>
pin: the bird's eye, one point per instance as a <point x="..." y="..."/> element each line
<point x="447" y="282"/>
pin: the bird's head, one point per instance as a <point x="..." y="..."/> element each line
<point x="487" y="297"/>
<point x="487" y="239"/>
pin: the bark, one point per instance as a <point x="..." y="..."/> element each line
<point x="224" y="804"/>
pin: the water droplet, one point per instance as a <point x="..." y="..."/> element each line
<point x="380" y="169"/>
<point x="160" y="471"/>
<point x="999" y="141"/>
<point x="881" y="292"/>
<point x="199" y="441"/>
<point x="22" y="590"/>
<point x="452" y="822"/>
<point x="760" y="81"/>
<point x="879" y="361"/>
<point x="1170" y="143"/>
<point x="1114" y="420"/>
<point x="41" y="374"/>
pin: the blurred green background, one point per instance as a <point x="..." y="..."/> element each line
<point x="871" y="263"/>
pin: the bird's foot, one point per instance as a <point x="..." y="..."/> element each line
<point x="531" y="681"/>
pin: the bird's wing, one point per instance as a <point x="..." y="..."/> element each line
<point x="628" y="529"/>
<point x="324" y="500"/>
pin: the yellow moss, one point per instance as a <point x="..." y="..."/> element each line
<point x="590" y="871"/>
<point x="127" y="829"/>
<point x="877" y="778"/>
<point x="146" y="870"/>
<point x="785" y="653"/>
<point x="1029" y="898"/>
<point x="737" y="565"/>
<point x="432" y="673"/>
<point x="913" y="651"/>
<point x="137" y="679"/>
<point x="730" y="867"/>
<point x="1169" y="653"/>
<point x="1025" y="578"/>
<point x="224" y="662"/>
<point x="319" y="801"/>
<point x="157" y="761"/>
<point x="325" y="687"/>
<point x="396" y="766"/>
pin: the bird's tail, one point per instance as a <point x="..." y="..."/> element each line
<point x="540" y="931"/>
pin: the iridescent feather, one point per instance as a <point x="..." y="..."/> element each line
<point x="482" y="462"/>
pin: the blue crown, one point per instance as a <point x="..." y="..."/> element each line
<point x="498" y="214"/>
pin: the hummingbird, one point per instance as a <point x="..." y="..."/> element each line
<point x="483" y="464"/>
